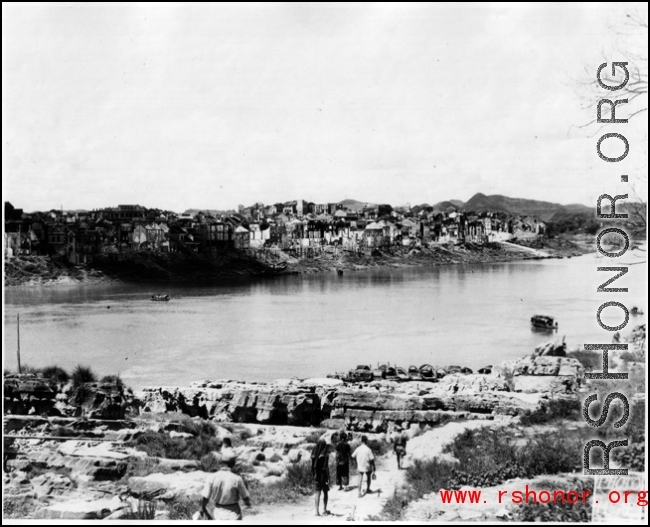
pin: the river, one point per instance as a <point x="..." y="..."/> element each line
<point x="311" y="325"/>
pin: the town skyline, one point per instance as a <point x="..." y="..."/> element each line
<point x="457" y="202"/>
<point x="123" y="103"/>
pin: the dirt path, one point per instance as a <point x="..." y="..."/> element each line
<point x="347" y="506"/>
<point x="343" y="505"/>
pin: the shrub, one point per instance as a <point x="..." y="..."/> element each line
<point x="113" y="379"/>
<point x="378" y="447"/>
<point x="293" y="487"/>
<point x="631" y="457"/>
<point x="508" y="375"/>
<point x="245" y="435"/>
<point x="490" y="457"/>
<point x="81" y="394"/>
<point x="553" y="410"/>
<point x="56" y="375"/>
<point x="209" y="463"/>
<point x="160" y="444"/>
<point x="182" y="508"/>
<point x="557" y="512"/>
<point x="299" y="478"/>
<point x="197" y="427"/>
<point x="82" y="375"/>
<point x="429" y="476"/>
<point x="591" y="360"/>
<point x="19" y="509"/>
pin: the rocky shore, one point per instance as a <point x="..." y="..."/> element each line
<point x="87" y="451"/>
<point x="149" y="266"/>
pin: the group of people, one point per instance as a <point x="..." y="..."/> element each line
<point x="224" y="489"/>
<point x="320" y="467"/>
<point x="364" y="458"/>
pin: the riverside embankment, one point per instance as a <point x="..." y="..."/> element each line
<point x="150" y="266"/>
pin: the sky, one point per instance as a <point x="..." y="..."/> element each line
<point x="188" y="105"/>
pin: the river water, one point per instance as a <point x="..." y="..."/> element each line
<point x="311" y="325"/>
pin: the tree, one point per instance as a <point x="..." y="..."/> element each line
<point x="632" y="44"/>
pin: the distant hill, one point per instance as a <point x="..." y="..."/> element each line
<point x="444" y="205"/>
<point x="214" y="212"/>
<point x="354" y="205"/>
<point x="544" y="210"/>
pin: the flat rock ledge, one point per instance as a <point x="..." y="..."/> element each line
<point x="514" y="388"/>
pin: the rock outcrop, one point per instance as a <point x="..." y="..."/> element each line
<point x="28" y="394"/>
<point x="378" y="406"/>
<point x="554" y="348"/>
<point x="238" y="402"/>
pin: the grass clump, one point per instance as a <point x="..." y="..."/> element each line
<point x="144" y="510"/>
<point x="161" y="444"/>
<point x="297" y="483"/>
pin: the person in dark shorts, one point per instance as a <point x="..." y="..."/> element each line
<point x="343" y="454"/>
<point x="320" y="472"/>
<point x="399" y="447"/>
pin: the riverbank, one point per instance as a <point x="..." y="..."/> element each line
<point x="97" y="450"/>
<point x="113" y="454"/>
<point x="149" y="266"/>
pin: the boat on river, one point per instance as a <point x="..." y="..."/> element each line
<point x="543" y="322"/>
<point x="160" y="298"/>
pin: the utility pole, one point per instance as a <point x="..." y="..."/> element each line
<point x="18" y="350"/>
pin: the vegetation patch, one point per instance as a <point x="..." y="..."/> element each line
<point x="553" y="410"/>
<point x="488" y="458"/>
<point x="160" y="444"/>
<point x="560" y="511"/>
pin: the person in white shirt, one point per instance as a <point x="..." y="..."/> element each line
<point x="365" y="464"/>
<point x="223" y="490"/>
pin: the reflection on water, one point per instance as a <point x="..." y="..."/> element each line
<point x="310" y="325"/>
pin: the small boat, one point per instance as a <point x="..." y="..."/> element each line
<point x="160" y="298"/>
<point x="401" y="374"/>
<point x="635" y="311"/>
<point x="414" y="373"/>
<point x="362" y="373"/>
<point x="428" y="373"/>
<point x="543" y="322"/>
<point x="441" y="372"/>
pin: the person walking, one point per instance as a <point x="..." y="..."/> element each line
<point x="224" y="490"/>
<point x="320" y="473"/>
<point x="365" y="464"/>
<point x="399" y="447"/>
<point x="343" y="454"/>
